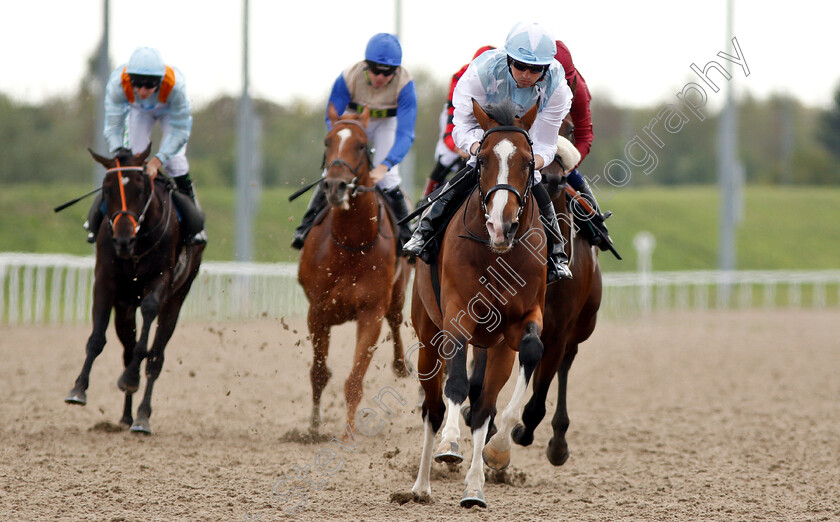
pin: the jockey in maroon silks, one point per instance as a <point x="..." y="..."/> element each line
<point x="448" y="157"/>
<point x="582" y="121"/>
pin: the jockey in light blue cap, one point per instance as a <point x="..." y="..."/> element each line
<point x="524" y="73"/>
<point x="139" y="94"/>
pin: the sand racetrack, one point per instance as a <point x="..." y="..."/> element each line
<point x="683" y="416"/>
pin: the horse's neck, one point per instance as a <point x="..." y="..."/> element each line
<point x="360" y="219"/>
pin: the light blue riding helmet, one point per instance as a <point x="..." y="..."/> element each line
<point x="529" y="42"/>
<point x="384" y="48"/>
<point x="146" y="61"/>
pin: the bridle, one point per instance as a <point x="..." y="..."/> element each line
<point x="353" y="186"/>
<point x="522" y="200"/>
<point x="138" y="221"/>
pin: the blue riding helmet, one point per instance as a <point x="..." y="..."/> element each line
<point x="530" y="43"/>
<point x="146" y="61"/>
<point x="384" y="48"/>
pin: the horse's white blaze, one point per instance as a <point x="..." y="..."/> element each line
<point x="343" y="134"/>
<point x="503" y="150"/>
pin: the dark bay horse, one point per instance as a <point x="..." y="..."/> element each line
<point x="349" y="266"/>
<point x="140" y="262"/>
<point x="571" y="309"/>
<point x="487" y="288"/>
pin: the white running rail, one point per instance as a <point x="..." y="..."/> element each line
<point x="57" y="289"/>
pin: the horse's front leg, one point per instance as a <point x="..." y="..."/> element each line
<point x="129" y="381"/>
<point x="103" y="301"/>
<point x="455" y="393"/>
<point x="154" y="363"/>
<point x="367" y="333"/>
<point x="557" y="450"/>
<point x="497" y="452"/>
<point x="319" y="374"/>
<point x="126" y="326"/>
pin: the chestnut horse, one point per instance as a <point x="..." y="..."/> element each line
<point x="349" y="266"/>
<point x="140" y="262"/>
<point x="492" y="298"/>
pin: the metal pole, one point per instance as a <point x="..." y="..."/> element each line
<point x="729" y="175"/>
<point x="407" y="164"/>
<point x="103" y="72"/>
<point x="244" y="215"/>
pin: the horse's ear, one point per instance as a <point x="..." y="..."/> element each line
<point x="331" y="114"/>
<point x="528" y="120"/>
<point x="105" y="162"/>
<point x="145" y="154"/>
<point x="481" y="116"/>
<point x="364" y="119"/>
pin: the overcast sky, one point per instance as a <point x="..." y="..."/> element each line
<point x="638" y="52"/>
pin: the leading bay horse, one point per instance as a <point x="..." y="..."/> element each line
<point x="141" y="261"/>
<point x="487" y="288"/>
<point x="571" y="308"/>
<point x="349" y="268"/>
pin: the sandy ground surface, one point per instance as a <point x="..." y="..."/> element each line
<point x="691" y="416"/>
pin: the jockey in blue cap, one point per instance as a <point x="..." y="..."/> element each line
<point x="387" y="89"/>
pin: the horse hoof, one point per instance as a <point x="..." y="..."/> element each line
<point x="473" y="498"/>
<point x="465" y="412"/>
<point x="141" y="426"/>
<point x="497" y="460"/>
<point x="399" y="368"/>
<point x="76" y="398"/>
<point x="125" y="386"/>
<point x="557" y="456"/>
<point x="453" y="455"/>
<point x="521" y="435"/>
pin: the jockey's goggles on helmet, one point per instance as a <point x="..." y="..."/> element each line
<point x="378" y="68"/>
<point x="143" y="81"/>
<point x="519" y="66"/>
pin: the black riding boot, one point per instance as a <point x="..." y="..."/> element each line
<point x="396" y="200"/>
<point x="316" y="204"/>
<point x="558" y="261"/>
<point x="422" y="243"/>
<point x="599" y="233"/>
<point x="185" y="185"/>
<point x="94" y="220"/>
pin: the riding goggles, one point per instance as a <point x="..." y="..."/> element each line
<point x="378" y="68"/>
<point x="143" y="81"/>
<point x="519" y="66"/>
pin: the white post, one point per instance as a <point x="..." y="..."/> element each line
<point x="644" y="243"/>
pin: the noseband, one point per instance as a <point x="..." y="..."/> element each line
<point x="136" y="220"/>
<point x="521" y="200"/>
<point x="354" y="188"/>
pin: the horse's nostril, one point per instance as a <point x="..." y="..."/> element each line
<point x="512" y="229"/>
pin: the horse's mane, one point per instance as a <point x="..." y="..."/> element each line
<point x="503" y="112"/>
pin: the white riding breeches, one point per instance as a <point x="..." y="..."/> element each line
<point x="139" y="134"/>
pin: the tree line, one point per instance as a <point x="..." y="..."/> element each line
<point x="780" y="140"/>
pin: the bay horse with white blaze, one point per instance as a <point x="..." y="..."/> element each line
<point x="571" y="309"/>
<point x="486" y="288"/>
<point x="350" y="269"/>
<point x="141" y="261"/>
